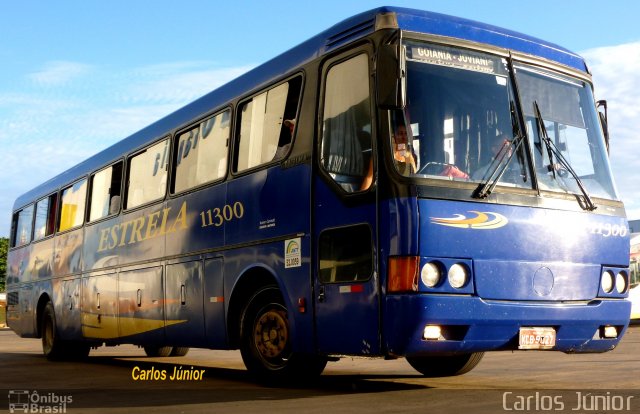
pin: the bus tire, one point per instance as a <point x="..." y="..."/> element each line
<point x="52" y="346"/>
<point x="445" y="365"/>
<point x="266" y="343"/>
<point x="158" y="351"/>
<point x="179" y="351"/>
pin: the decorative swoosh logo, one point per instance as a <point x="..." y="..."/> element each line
<point x="482" y="221"/>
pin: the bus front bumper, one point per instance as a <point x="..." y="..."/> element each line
<point x="471" y="324"/>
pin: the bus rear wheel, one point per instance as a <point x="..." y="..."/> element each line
<point x="445" y="365"/>
<point x="52" y="346"/>
<point x="158" y="351"/>
<point x="266" y="343"/>
<point x="179" y="351"/>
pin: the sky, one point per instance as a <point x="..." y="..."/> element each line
<point x="78" y="76"/>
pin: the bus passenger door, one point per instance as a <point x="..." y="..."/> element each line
<point x="346" y="281"/>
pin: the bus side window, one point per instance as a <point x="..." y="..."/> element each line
<point x="345" y="152"/>
<point x="106" y="185"/>
<point x="147" y="175"/>
<point x="264" y="133"/>
<point x="200" y="153"/>
<point x="346" y="254"/>
<point x="72" y="210"/>
<point x="21" y="227"/>
<point x="45" y="217"/>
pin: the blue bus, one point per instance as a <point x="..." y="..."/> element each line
<point x="404" y="184"/>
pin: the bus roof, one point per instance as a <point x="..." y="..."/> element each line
<point x="351" y="29"/>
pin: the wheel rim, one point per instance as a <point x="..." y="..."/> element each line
<point x="271" y="335"/>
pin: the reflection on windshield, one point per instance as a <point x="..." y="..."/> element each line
<point x="459" y="123"/>
<point x="570" y="120"/>
<point x="458" y="115"/>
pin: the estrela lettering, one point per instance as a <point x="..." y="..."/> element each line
<point x="143" y="228"/>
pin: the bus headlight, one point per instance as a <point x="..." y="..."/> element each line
<point x="607" y="281"/>
<point x="621" y="282"/>
<point x="458" y="275"/>
<point x="430" y="274"/>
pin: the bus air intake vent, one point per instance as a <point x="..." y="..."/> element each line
<point x="351" y="33"/>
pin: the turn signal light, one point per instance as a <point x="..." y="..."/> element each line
<point x="403" y="274"/>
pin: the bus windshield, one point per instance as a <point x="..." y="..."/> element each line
<point x="460" y="123"/>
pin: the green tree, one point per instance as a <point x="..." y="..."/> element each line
<point x="4" y="248"/>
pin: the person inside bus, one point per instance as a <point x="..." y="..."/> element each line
<point x="285" y="139"/>
<point x="500" y="148"/>
<point x="405" y="158"/>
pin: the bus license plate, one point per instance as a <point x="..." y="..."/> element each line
<point x="537" y="338"/>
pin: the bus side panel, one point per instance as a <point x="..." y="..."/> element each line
<point x="42" y="258"/>
<point x="141" y="305"/>
<point x="293" y="283"/>
<point x="18" y="270"/>
<point x="66" y="303"/>
<point x="196" y="221"/>
<point x="21" y="310"/>
<point x="100" y="307"/>
<point x="214" y="300"/>
<point x="276" y="205"/>
<point x="100" y="242"/>
<point x="141" y="233"/>
<point x="68" y="253"/>
<point x="184" y="304"/>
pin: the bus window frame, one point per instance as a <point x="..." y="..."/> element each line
<point x="234" y="149"/>
<point x="59" y="207"/>
<point x="175" y="141"/>
<point x="12" y="238"/>
<point x="90" y="189"/>
<point x="127" y="174"/>
<point x="364" y="48"/>
<point x="55" y="214"/>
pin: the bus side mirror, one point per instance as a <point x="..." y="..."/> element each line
<point x="602" y="113"/>
<point x="390" y="77"/>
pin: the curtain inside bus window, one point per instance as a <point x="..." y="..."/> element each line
<point x="346" y="138"/>
<point x="148" y="175"/>
<point x="201" y="153"/>
<point x="262" y="120"/>
<point x="73" y="199"/>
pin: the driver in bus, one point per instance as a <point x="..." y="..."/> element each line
<point x="403" y="153"/>
<point x="405" y="157"/>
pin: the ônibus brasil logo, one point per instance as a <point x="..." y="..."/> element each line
<point x="483" y="220"/>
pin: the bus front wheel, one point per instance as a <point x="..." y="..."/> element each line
<point x="445" y="365"/>
<point x="265" y="340"/>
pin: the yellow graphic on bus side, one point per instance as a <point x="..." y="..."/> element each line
<point x="95" y="326"/>
<point x="143" y="228"/>
<point x="482" y="221"/>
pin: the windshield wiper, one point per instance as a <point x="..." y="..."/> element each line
<point x="501" y="161"/>
<point x="552" y="151"/>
